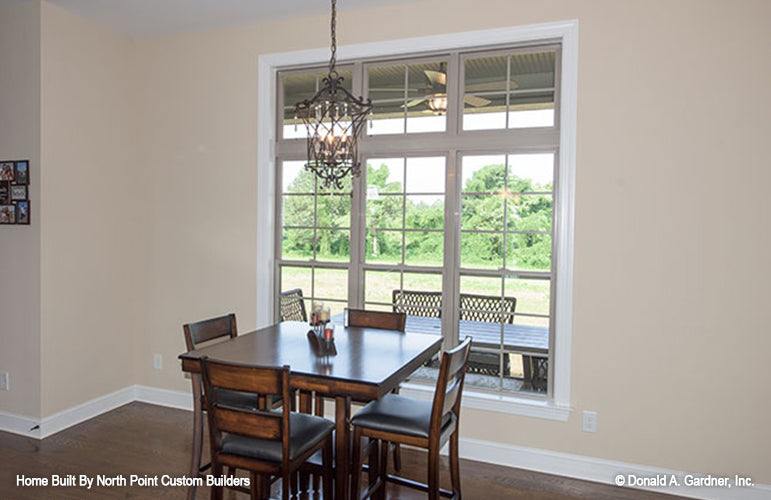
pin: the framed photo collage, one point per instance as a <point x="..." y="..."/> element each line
<point x="14" y="192"/>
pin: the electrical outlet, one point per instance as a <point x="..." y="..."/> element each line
<point x="589" y="423"/>
<point x="5" y="382"/>
<point x="157" y="361"/>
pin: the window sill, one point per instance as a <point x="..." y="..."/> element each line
<point x="500" y="403"/>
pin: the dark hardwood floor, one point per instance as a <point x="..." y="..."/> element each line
<point x="149" y="440"/>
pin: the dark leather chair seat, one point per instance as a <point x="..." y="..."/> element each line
<point x="398" y="414"/>
<point x="306" y="431"/>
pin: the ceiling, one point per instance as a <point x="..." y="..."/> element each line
<point x="149" y="18"/>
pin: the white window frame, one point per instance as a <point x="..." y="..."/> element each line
<point x="566" y="33"/>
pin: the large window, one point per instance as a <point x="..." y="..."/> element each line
<point x="452" y="218"/>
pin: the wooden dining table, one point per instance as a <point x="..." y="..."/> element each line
<point x="368" y="364"/>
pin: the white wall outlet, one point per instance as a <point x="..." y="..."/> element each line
<point x="157" y="361"/>
<point x="589" y="423"/>
<point x="5" y="381"/>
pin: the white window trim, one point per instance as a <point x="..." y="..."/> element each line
<point x="564" y="31"/>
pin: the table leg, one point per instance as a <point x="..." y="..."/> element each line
<point x="342" y="449"/>
<point x="195" y="459"/>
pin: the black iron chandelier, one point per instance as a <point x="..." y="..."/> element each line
<point x="334" y="119"/>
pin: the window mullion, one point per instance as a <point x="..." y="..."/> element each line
<point x="451" y="278"/>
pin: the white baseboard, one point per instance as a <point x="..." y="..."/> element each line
<point x="19" y="424"/>
<point x="164" y="397"/>
<point x="72" y="416"/>
<point x="550" y="462"/>
<point x="600" y="470"/>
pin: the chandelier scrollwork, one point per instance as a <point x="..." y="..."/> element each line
<point x="334" y="119"/>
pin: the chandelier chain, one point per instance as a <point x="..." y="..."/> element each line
<point x="333" y="30"/>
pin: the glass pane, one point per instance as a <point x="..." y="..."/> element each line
<point x="484" y="112"/>
<point x="383" y="247"/>
<point x="482" y="212"/>
<point x="424" y="212"/>
<point x="385" y="175"/>
<point x="387" y="118"/>
<point x="387" y="91"/>
<point x="480" y="285"/>
<point x="427" y="97"/>
<point x="297" y="210"/>
<point x="295" y="179"/>
<point x="423" y="282"/>
<point x="297" y="88"/>
<point x="296" y="277"/>
<point x="525" y="118"/>
<point x="336" y="309"/>
<point x="385" y="212"/>
<point x="333" y="245"/>
<point x="331" y="284"/>
<point x="532" y="295"/>
<point x="481" y="250"/>
<point x="531" y="103"/>
<point x="333" y="210"/>
<point x="516" y="366"/>
<point x="379" y="286"/>
<point x="483" y="174"/>
<point x="424" y="248"/>
<point x="386" y="82"/>
<point x="485" y="87"/>
<point x="425" y="175"/>
<point x="426" y="120"/>
<point x="529" y="212"/>
<point x="531" y="321"/>
<point x="297" y="244"/>
<point x="531" y="172"/>
<point x="528" y="251"/>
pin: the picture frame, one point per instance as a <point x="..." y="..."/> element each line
<point x="18" y="193"/>
<point x="7" y="214"/>
<point x="22" y="212"/>
<point x="14" y="192"/>
<point x="21" y="172"/>
<point x="7" y="171"/>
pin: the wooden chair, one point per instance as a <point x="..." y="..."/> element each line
<point x="377" y="319"/>
<point x="266" y="443"/>
<point x="198" y="333"/>
<point x="397" y="419"/>
<point x="388" y="321"/>
<point x="292" y="306"/>
<point x="489" y="309"/>
<point x="195" y="334"/>
<point x="364" y="319"/>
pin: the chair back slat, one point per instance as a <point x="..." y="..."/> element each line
<point x="487" y="308"/>
<point x="377" y="319"/>
<point x="449" y="385"/>
<point x="260" y="380"/>
<point x="292" y="306"/>
<point x="451" y="394"/>
<point x="209" y="329"/>
<point x="218" y="375"/>
<point x="417" y="303"/>
<point x="255" y="424"/>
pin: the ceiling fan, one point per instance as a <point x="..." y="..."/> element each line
<point x="436" y="101"/>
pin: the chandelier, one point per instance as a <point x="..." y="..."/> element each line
<point x="334" y="119"/>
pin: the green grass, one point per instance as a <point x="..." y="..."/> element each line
<point x="532" y="295"/>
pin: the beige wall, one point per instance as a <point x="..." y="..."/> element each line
<point x="94" y="211"/>
<point x="670" y="318"/>
<point x="148" y="153"/>
<point x="20" y="245"/>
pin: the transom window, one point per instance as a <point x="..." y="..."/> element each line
<point x="452" y="217"/>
